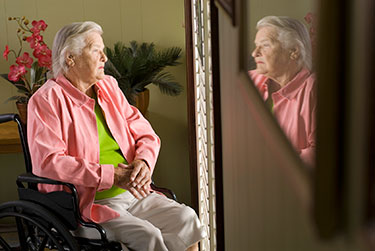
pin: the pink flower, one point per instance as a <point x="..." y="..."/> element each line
<point x="42" y="50"/>
<point x="43" y="54"/>
<point x="34" y="40"/>
<point x="38" y="26"/>
<point x="15" y="72"/>
<point x="6" y="52"/>
<point x="25" y="60"/>
<point x="45" y="61"/>
<point x="309" y="17"/>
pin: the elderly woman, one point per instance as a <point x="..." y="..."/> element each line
<point x="283" y="77"/>
<point x="82" y="130"/>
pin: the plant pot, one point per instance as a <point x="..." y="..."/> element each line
<point x="142" y="100"/>
<point x="22" y="110"/>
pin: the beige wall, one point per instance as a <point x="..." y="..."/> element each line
<point x="161" y="22"/>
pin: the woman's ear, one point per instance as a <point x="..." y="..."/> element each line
<point x="294" y="53"/>
<point x="69" y="59"/>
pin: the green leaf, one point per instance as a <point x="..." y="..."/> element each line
<point x="17" y="98"/>
<point x="167" y="85"/>
<point x="32" y="73"/>
<point x="22" y="88"/>
<point x="37" y="75"/>
<point x="5" y="76"/>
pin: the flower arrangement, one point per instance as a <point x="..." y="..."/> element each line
<point x="32" y="35"/>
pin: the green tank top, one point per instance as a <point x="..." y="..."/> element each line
<point x="110" y="152"/>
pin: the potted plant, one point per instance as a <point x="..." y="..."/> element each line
<point x="137" y="66"/>
<point x="28" y="85"/>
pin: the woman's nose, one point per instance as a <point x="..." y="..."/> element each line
<point x="104" y="57"/>
<point x="255" y="52"/>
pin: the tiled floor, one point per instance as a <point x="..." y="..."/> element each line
<point x="9" y="234"/>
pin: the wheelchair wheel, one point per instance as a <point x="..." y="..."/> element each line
<point x="38" y="228"/>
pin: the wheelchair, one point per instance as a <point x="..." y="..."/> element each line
<point x="45" y="221"/>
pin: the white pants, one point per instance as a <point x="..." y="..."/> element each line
<point x="153" y="223"/>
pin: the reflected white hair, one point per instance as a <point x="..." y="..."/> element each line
<point x="291" y="33"/>
<point x="70" y="39"/>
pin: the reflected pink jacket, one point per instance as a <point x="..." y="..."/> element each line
<point x="64" y="144"/>
<point x="294" y="107"/>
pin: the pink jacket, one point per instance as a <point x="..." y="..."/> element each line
<point x="294" y="107"/>
<point x="64" y="144"/>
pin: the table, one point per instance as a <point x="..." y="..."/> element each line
<point x="9" y="138"/>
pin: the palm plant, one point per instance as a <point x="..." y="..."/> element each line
<point x="137" y="66"/>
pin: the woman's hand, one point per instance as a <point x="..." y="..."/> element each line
<point x="136" y="178"/>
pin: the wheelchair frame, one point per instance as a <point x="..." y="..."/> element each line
<point x="44" y="220"/>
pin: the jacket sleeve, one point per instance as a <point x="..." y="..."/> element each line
<point x="48" y="148"/>
<point x="308" y="154"/>
<point x="147" y="143"/>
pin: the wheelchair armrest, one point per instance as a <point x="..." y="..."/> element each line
<point x="33" y="179"/>
<point x="168" y="192"/>
<point x="7" y="117"/>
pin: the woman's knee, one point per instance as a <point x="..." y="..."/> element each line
<point x="187" y="215"/>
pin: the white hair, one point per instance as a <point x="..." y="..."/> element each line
<point x="291" y="33"/>
<point x="70" y="39"/>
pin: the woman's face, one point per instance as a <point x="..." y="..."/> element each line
<point x="270" y="57"/>
<point x="90" y="64"/>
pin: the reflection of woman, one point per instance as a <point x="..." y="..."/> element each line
<point x="82" y="130"/>
<point x="283" y="77"/>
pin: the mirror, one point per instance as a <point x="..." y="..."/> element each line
<point x="279" y="63"/>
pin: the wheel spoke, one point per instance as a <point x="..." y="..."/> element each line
<point x="4" y="244"/>
<point x="21" y="233"/>
<point x="37" y="228"/>
<point x="44" y="242"/>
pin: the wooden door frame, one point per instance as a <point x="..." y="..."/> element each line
<point x="191" y="95"/>
<point x="220" y="238"/>
<point x="191" y="106"/>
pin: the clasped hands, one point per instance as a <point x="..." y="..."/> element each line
<point x="135" y="177"/>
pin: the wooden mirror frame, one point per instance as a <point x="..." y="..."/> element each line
<point x="230" y="8"/>
<point x="343" y="190"/>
